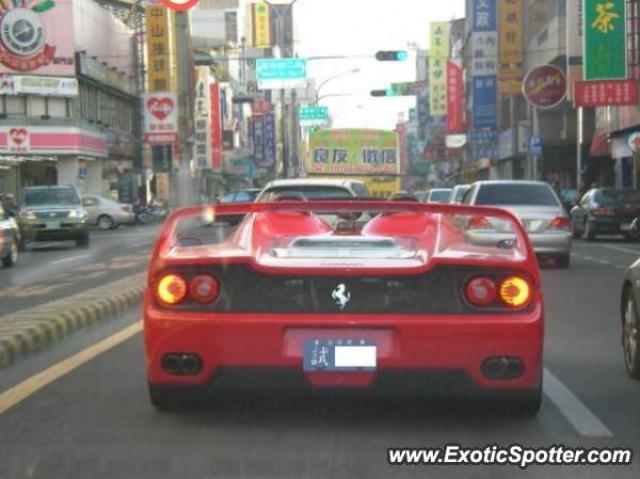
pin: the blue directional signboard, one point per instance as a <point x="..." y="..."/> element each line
<point x="535" y="146"/>
<point x="278" y="73"/>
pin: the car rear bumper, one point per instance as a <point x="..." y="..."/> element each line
<point x="542" y="243"/>
<point x="551" y="243"/>
<point x="611" y="225"/>
<point x="429" y="344"/>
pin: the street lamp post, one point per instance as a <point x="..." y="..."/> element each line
<point x="334" y="77"/>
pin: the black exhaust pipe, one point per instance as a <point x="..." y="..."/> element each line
<point x="172" y="364"/>
<point x="502" y="368"/>
<point x="191" y="364"/>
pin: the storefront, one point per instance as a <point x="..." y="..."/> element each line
<point x="33" y="156"/>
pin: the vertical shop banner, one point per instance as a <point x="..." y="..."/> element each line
<point x="257" y="127"/>
<point x="485" y="114"/>
<point x="575" y="40"/>
<point x="160" y="118"/>
<point x="438" y="54"/>
<point x="455" y="97"/>
<point x="202" y="120"/>
<point x="510" y="54"/>
<point x="269" y="140"/>
<point x="483" y="16"/>
<point x="484" y="38"/>
<point x="261" y="25"/>
<point x="605" y="52"/>
<point x="159" y="65"/>
<point x="216" y="126"/>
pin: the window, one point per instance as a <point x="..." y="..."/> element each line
<point x="307" y="192"/>
<point x="16" y="105"/>
<point x="516" y="194"/>
<point x="57" y="107"/>
<point x="37" y="105"/>
<point x="89" y="201"/>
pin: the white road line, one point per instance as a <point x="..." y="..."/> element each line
<point x="603" y="261"/>
<point x="623" y="250"/>
<point x="589" y="258"/>
<point x="71" y="258"/>
<point x="141" y="243"/>
<point x="579" y="415"/>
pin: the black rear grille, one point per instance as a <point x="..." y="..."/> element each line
<point x="439" y="291"/>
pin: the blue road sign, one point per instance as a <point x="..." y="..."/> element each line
<point x="535" y="146"/>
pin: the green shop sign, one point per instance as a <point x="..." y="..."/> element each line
<point x="605" y="40"/>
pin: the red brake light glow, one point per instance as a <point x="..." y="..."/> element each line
<point x="561" y="223"/>
<point x="171" y="289"/>
<point x="515" y="291"/>
<point x="478" y="223"/>
<point x="603" y="212"/>
<point x="480" y="291"/>
<point x="204" y="289"/>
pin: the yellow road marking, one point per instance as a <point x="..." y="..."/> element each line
<point x="26" y="388"/>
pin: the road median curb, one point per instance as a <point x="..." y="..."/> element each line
<point x="30" y="330"/>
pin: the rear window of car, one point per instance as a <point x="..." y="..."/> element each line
<point x="440" y="195"/>
<point x="308" y="192"/>
<point x="51" y="196"/>
<point x="459" y="193"/>
<point x="516" y="194"/>
<point x="613" y="197"/>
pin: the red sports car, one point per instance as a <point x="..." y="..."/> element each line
<point x="342" y="292"/>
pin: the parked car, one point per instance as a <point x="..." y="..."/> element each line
<point x="421" y="195"/>
<point x="438" y="195"/>
<point x="106" y="213"/>
<point x="288" y="292"/>
<point x="569" y="197"/>
<point x="538" y="208"/>
<point x="8" y="239"/>
<point x="53" y="213"/>
<point x="629" y="313"/>
<point x="605" y="211"/>
<point x="247" y="195"/>
<point x="458" y="193"/>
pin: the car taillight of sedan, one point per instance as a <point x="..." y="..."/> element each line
<point x="126" y="208"/>
<point x="603" y="212"/>
<point x="561" y="223"/>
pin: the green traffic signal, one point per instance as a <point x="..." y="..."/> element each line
<point x="391" y="55"/>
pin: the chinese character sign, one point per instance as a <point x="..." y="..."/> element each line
<point x="606" y="93"/>
<point x="455" y="97"/>
<point x="353" y="151"/>
<point x="215" y="125"/>
<point x="269" y="140"/>
<point x="261" y="25"/>
<point x="438" y="54"/>
<point x="484" y="52"/>
<point x="510" y="47"/>
<point x="257" y="123"/>
<point x="484" y="16"/>
<point x="159" y="64"/>
<point x="605" y="40"/>
<point x="202" y="120"/>
<point x="485" y="113"/>
<point x="160" y="118"/>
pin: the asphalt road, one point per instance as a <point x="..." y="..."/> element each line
<point x="50" y="271"/>
<point x="96" y="421"/>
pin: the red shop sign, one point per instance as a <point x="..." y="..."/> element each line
<point x="606" y="93"/>
<point x="545" y="86"/>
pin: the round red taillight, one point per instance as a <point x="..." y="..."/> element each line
<point x="204" y="288"/>
<point x="480" y="291"/>
<point x="515" y="292"/>
<point x="171" y="289"/>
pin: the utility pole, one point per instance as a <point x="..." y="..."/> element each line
<point x="185" y="107"/>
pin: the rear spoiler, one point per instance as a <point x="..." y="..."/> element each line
<point x="168" y="235"/>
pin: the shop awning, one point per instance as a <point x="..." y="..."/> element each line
<point x="14" y="160"/>
<point x="599" y="146"/>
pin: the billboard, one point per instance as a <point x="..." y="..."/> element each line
<point x="32" y="40"/>
<point x="215" y="123"/>
<point x="510" y="56"/>
<point x="485" y="112"/>
<point x="261" y="28"/>
<point x="605" y="33"/>
<point x="438" y="54"/>
<point x="353" y="152"/>
<point x="160" y="117"/>
<point x="158" y="48"/>
<point x="202" y="120"/>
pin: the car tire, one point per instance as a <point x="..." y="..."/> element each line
<point x="105" y="222"/>
<point x="563" y="260"/>
<point x="175" y="398"/>
<point x="630" y="334"/>
<point x="12" y="256"/>
<point x="589" y="231"/>
<point x="83" y="241"/>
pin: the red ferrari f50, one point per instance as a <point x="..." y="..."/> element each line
<point x="343" y="292"/>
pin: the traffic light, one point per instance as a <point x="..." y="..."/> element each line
<point x="387" y="92"/>
<point x="391" y="56"/>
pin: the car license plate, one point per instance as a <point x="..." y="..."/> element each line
<point x="625" y="227"/>
<point x="339" y="355"/>
<point x="53" y="225"/>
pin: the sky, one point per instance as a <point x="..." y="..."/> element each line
<point x="360" y="28"/>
